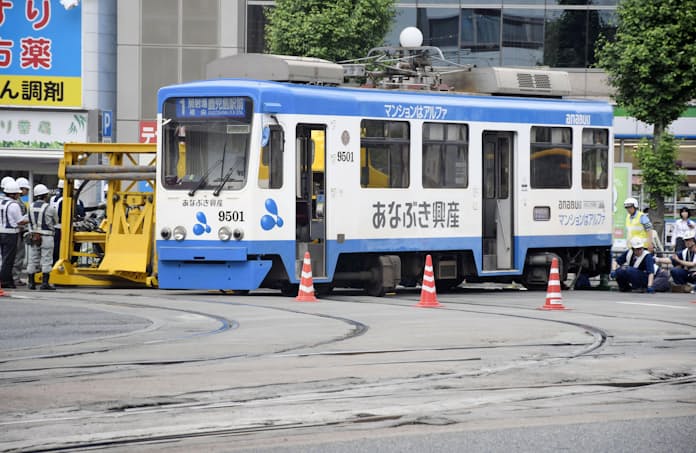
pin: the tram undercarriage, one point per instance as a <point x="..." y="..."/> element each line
<point x="379" y="274"/>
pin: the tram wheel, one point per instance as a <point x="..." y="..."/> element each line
<point x="375" y="288"/>
<point x="323" y="289"/>
<point x="289" y="290"/>
<point x="447" y="285"/>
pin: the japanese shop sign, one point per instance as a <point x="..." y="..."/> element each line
<point x="40" y="54"/>
<point x="41" y="129"/>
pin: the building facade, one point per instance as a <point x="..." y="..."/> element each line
<point x="57" y="75"/>
<point x="110" y="57"/>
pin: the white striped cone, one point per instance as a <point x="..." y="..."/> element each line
<point x="428" y="296"/>
<point x="306" y="290"/>
<point x="554" y="299"/>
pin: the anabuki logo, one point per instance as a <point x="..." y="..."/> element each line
<point x="272" y="219"/>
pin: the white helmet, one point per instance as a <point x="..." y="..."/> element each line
<point x="40" y="189"/>
<point x="12" y="187"/>
<point x="690" y="235"/>
<point x="23" y="183"/>
<point x="631" y="202"/>
<point x="4" y="181"/>
<point x="636" y="242"/>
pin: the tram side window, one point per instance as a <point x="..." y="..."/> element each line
<point x="551" y="158"/>
<point x="271" y="165"/>
<point x="595" y="158"/>
<point x="445" y="155"/>
<point x="384" y="154"/>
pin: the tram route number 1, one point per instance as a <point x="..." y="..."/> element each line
<point x="231" y="216"/>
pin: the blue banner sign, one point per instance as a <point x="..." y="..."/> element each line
<point x="40" y="54"/>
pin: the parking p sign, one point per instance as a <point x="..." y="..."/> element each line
<point x="107" y="122"/>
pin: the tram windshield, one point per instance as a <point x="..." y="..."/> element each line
<point x="205" y="143"/>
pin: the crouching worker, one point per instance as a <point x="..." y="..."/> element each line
<point x="42" y="218"/>
<point x="684" y="262"/>
<point x="634" y="269"/>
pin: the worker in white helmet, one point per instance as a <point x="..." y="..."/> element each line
<point x="634" y="269"/>
<point x="638" y="224"/>
<point x="4" y="181"/>
<point x="42" y="218"/>
<point x="20" y="264"/>
<point x="11" y="219"/>
<point x="78" y="214"/>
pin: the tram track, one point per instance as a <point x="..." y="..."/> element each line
<point x="225" y="324"/>
<point x="364" y="421"/>
<point x="334" y="394"/>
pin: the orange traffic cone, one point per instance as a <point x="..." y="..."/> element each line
<point x="306" y="292"/>
<point x="428" y="297"/>
<point x="554" y="299"/>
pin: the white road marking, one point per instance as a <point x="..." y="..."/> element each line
<point x="653" y="305"/>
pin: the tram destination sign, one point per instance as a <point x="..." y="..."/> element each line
<point x="205" y="107"/>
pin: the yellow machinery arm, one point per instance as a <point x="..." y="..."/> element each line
<point x="122" y="253"/>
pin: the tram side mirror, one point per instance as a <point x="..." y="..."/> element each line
<point x="265" y="136"/>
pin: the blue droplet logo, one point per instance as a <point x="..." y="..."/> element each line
<point x="271" y="206"/>
<point x="272" y="219"/>
<point x="202" y="226"/>
<point x="267" y="222"/>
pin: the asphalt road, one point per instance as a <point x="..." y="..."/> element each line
<point x="151" y="370"/>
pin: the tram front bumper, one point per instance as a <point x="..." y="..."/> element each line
<point x="209" y="268"/>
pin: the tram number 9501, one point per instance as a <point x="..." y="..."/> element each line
<point x="344" y="156"/>
<point x="231" y="216"/>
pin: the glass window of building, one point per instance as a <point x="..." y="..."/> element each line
<point x="480" y="29"/>
<point x="255" y="28"/>
<point x="404" y="17"/>
<point x="523" y="37"/>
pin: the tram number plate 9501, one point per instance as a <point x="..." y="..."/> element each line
<point x="231" y="216"/>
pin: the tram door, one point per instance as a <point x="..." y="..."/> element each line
<point x="310" y="202"/>
<point x="497" y="200"/>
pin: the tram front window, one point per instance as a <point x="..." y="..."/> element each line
<point x="206" y="143"/>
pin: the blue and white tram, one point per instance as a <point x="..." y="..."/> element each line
<point x="253" y="174"/>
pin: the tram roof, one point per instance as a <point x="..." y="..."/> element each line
<point x="289" y="98"/>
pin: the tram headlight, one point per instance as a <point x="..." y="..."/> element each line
<point x="224" y="234"/>
<point x="166" y="233"/>
<point x="179" y="233"/>
<point x="238" y="234"/>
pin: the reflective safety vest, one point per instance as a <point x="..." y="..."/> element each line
<point x="57" y="202"/>
<point x="5" y="226"/>
<point x="687" y="255"/>
<point x="37" y="219"/>
<point x="639" y="259"/>
<point x="635" y="228"/>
